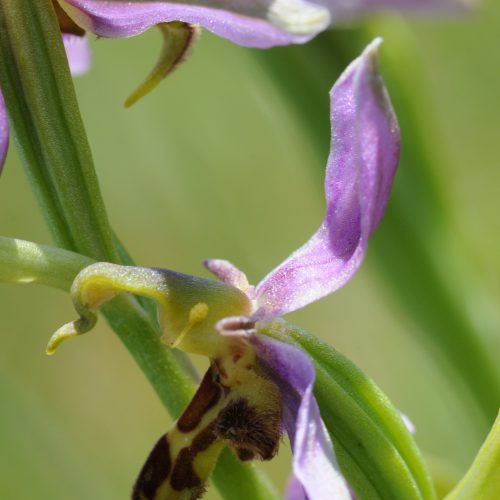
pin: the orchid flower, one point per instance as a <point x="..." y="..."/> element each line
<point x="257" y="386"/>
<point x="78" y="53"/>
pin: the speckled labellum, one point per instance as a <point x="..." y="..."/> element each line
<point x="217" y="416"/>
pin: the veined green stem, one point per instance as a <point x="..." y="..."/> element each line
<point x="413" y="238"/>
<point x="48" y="130"/>
<point x="40" y="98"/>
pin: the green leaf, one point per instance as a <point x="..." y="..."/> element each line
<point x="376" y="452"/>
<point x="482" y="480"/>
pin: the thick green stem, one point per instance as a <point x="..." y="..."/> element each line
<point x="26" y="262"/>
<point x="48" y="128"/>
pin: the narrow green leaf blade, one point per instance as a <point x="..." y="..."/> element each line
<point x="482" y="480"/>
<point x="377" y="453"/>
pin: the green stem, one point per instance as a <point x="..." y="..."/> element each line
<point x="26" y="262"/>
<point x="48" y="128"/>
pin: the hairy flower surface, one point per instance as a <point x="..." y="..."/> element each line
<point x="257" y="386"/>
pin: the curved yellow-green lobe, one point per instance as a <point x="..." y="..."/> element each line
<point x="188" y="306"/>
<point x="178" y="39"/>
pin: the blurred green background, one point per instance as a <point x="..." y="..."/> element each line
<point x="215" y="163"/>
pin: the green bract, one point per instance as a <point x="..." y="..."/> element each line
<point x="377" y="453"/>
<point x="482" y="481"/>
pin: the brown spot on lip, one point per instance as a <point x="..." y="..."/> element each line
<point x="206" y="397"/>
<point x="183" y="474"/>
<point x="249" y="428"/>
<point x="154" y="472"/>
<point x="244" y="454"/>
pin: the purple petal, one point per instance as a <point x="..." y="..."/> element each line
<point x="228" y="273"/>
<point x="4" y="132"/>
<point x="315" y="468"/>
<point x="294" y="490"/>
<point x="78" y="52"/>
<point x="260" y="24"/>
<point x="362" y="163"/>
<point x="342" y="10"/>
